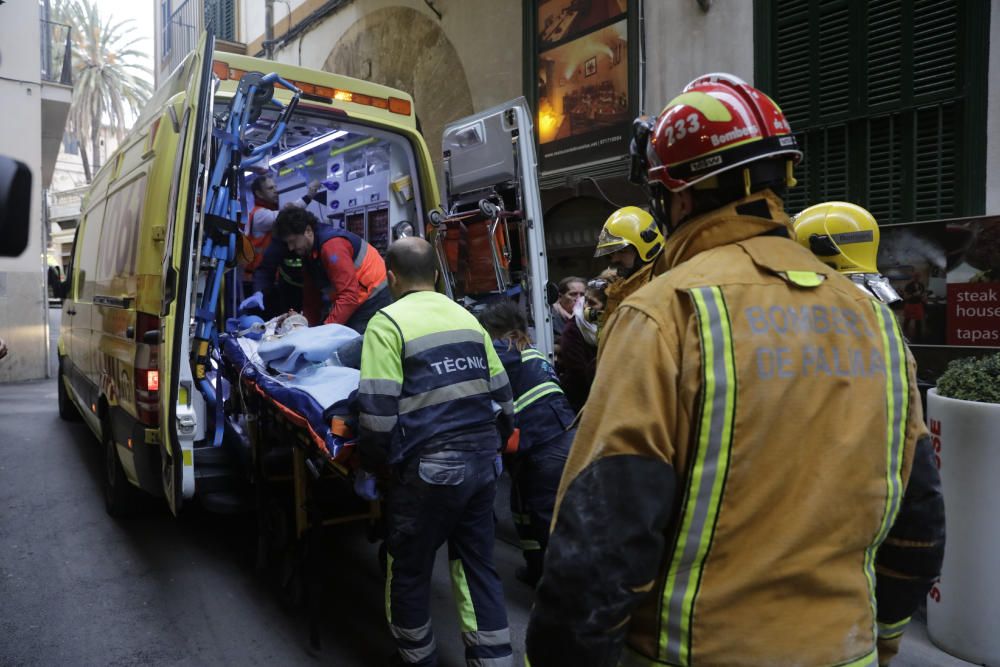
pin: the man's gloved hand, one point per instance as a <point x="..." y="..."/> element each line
<point x="365" y="486"/>
<point x="254" y="301"/>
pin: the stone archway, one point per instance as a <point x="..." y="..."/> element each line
<point x="402" y="48"/>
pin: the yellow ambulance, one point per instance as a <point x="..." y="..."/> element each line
<point x="125" y="346"/>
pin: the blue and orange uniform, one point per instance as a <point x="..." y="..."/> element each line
<point x="544" y="418"/>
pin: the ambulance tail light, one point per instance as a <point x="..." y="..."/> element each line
<point x="147" y="371"/>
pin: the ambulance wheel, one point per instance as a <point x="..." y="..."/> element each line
<point x="120" y="497"/>
<point x="67" y="411"/>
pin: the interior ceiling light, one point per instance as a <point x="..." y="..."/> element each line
<point x="308" y="146"/>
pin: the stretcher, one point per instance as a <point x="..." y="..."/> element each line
<point x="323" y="418"/>
<point x="293" y="410"/>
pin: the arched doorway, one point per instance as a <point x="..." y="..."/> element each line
<point x="571" y="230"/>
<point x="424" y="64"/>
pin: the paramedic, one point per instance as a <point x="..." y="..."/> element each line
<point x="430" y="379"/>
<point x="767" y="438"/>
<point x="344" y="279"/>
<point x="633" y="240"/>
<point x="544" y="419"/>
<point x="260" y="225"/>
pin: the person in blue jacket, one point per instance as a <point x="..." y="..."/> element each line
<point x="544" y="419"/>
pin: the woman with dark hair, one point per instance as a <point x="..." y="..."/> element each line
<point x="544" y="417"/>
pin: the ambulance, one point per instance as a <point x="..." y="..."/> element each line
<point x="128" y="357"/>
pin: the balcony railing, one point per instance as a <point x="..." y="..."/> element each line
<point x="57" y="52"/>
<point x="180" y="33"/>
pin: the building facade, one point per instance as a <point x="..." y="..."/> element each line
<point x="892" y="101"/>
<point x="35" y="80"/>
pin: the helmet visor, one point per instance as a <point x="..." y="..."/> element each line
<point x="608" y="243"/>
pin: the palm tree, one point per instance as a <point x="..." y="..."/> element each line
<point x="110" y="86"/>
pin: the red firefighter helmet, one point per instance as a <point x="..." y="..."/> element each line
<point x="717" y="123"/>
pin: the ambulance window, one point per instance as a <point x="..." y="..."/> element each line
<point x="121" y="231"/>
<point x="367" y="177"/>
<point x="87" y="264"/>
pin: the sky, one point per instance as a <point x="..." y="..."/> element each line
<point x="141" y="11"/>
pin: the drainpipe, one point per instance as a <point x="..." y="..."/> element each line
<point x="269" y="29"/>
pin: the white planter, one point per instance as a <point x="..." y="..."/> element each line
<point x="963" y="609"/>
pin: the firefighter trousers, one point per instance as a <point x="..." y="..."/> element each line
<point x="535" y="476"/>
<point x="437" y="498"/>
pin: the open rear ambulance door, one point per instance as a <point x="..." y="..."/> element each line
<point x="491" y="240"/>
<point x="182" y="411"/>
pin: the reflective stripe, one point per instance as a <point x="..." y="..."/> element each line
<point x="415" y="655"/>
<point x="532" y="353"/>
<point x="505" y="661"/>
<point x="530" y="545"/>
<point x="444" y="394"/>
<point x="380" y="387"/>
<point x="377" y="423"/>
<point x="463" y="597"/>
<point x="498" y="381"/>
<point x="870" y="660"/>
<point x="411" y="634"/>
<point x="388" y="587"/>
<point x="430" y="341"/>
<point x="897" y="392"/>
<point x="499" y="637"/>
<point x="892" y="630"/>
<point x="535" y="393"/>
<point x="709" y="468"/>
<point x="362" y="251"/>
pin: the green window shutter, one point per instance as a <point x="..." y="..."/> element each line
<point x="935" y="48"/>
<point x="885" y="167"/>
<point x="882" y="96"/>
<point x="884" y="83"/>
<point x="934" y="163"/>
<point x="832" y="54"/>
<point x="220" y="16"/>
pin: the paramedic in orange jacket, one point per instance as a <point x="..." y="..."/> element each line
<point x="344" y="277"/>
<point x="753" y="456"/>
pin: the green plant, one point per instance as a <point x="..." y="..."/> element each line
<point x="972" y="379"/>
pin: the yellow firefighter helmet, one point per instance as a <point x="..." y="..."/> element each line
<point x="630" y="226"/>
<point x="842" y="235"/>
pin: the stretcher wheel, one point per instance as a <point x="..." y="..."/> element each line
<point x="436" y="216"/>
<point x="489" y="209"/>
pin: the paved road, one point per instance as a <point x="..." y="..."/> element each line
<point x="78" y="588"/>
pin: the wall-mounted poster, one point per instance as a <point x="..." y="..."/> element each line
<point x="583" y="96"/>
<point x="948" y="274"/>
<point x="561" y="20"/>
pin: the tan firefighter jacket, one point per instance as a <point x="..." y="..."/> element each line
<point x="744" y="452"/>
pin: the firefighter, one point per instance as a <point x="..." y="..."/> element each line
<point x="633" y="241"/>
<point x="544" y="419"/>
<point x="429" y="380"/>
<point x="344" y="277"/>
<point x="753" y="458"/>
<point x="845" y="237"/>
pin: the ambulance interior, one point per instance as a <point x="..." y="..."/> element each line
<point x="367" y="177"/>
